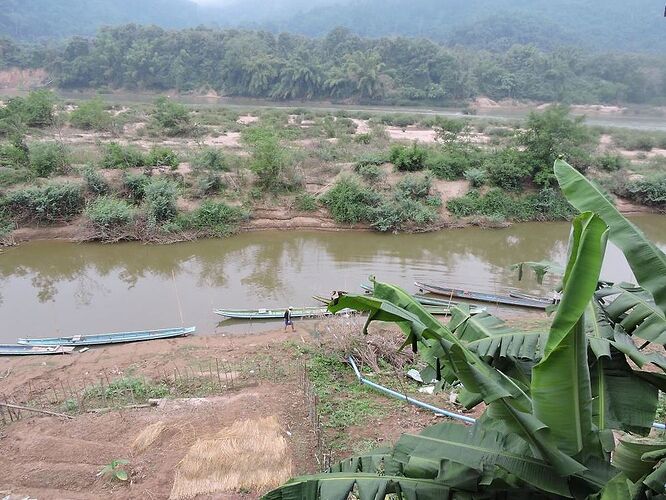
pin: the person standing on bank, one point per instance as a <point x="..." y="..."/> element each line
<point x="288" y="320"/>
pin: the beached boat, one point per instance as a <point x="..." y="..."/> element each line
<point x="430" y="301"/>
<point x="28" y="350"/>
<point x="277" y="313"/>
<point x="109" y="338"/>
<point x="442" y="307"/>
<point x="521" y="295"/>
<point x="481" y="297"/>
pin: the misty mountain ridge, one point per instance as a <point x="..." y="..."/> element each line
<point x="484" y="24"/>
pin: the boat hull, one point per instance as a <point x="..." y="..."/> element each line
<point x="303" y="312"/>
<point x="26" y="350"/>
<point x="109" y="338"/>
<point x="481" y="297"/>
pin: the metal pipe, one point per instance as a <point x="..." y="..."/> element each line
<point x="434" y="409"/>
<point x="406" y="398"/>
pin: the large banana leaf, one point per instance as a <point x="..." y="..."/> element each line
<point x="561" y="387"/>
<point x="646" y="260"/>
<point x="635" y="310"/>
<point x="636" y="457"/>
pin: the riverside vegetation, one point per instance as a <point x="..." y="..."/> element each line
<point x="165" y="171"/>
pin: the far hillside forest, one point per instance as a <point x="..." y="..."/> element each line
<point x="341" y="66"/>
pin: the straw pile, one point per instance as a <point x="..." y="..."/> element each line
<point x="147" y="437"/>
<point x="248" y="456"/>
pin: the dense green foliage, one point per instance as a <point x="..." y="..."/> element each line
<point x="161" y="156"/>
<point x="92" y="115"/>
<point x="408" y="159"/>
<point x="217" y="219"/>
<point x="344" y="66"/>
<point x="170" y="118"/>
<point x="95" y="182"/>
<point x="210" y="159"/>
<point x="53" y="202"/>
<point x="269" y="161"/>
<point x="107" y="214"/>
<point x="160" y="196"/>
<point x="649" y="191"/>
<point x="47" y="158"/>
<point x="116" y="155"/>
<point x="547" y="204"/>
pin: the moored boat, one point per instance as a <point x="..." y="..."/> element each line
<point x="276" y="313"/>
<point x="481" y="296"/>
<point x="28" y="350"/>
<point x="430" y="301"/>
<point x="109" y="338"/>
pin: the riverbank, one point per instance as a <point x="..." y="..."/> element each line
<point x="259" y="377"/>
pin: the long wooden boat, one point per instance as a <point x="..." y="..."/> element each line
<point x="521" y="295"/>
<point x="430" y="301"/>
<point x="480" y="296"/>
<point x="278" y="313"/>
<point x="29" y="350"/>
<point x="109" y="338"/>
<point x="436" y="310"/>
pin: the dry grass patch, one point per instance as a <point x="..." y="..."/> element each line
<point x="147" y="437"/>
<point x="251" y="455"/>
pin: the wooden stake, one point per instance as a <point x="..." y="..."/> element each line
<point x="35" y="410"/>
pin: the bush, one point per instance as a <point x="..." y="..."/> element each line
<point x="34" y="110"/>
<point x="50" y="203"/>
<point x="14" y="155"/>
<point x="91" y="115"/>
<point x="363" y="138"/>
<point x="414" y="186"/>
<point x="268" y="159"/>
<point x="210" y="159"/>
<point x="476" y="177"/>
<point x="106" y="213"/>
<point x="217" y="218"/>
<point x="350" y="202"/>
<point x="118" y="156"/>
<point x="170" y="118"/>
<point x="548" y="204"/>
<point x="47" y="158"/>
<point x="509" y="169"/>
<point x="94" y="181"/>
<point x="305" y="202"/>
<point x="452" y="161"/>
<point x="609" y="162"/>
<point x="135" y="185"/>
<point x="160" y="156"/>
<point x="209" y="183"/>
<point x="393" y="214"/>
<point x="369" y="171"/>
<point x="409" y="159"/>
<point x="650" y="191"/>
<point x="160" y="196"/>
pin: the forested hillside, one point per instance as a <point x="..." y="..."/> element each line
<point x="492" y="24"/>
<point x="341" y="66"/>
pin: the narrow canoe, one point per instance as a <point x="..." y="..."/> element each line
<point x="441" y="307"/>
<point x="430" y="301"/>
<point x="110" y="338"/>
<point x="521" y="295"/>
<point x="481" y="297"/>
<point x="28" y="350"/>
<point x="278" y="313"/>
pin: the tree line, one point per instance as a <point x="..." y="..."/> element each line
<point x="340" y="66"/>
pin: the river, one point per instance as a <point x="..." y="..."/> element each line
<point x="53" y="287"/>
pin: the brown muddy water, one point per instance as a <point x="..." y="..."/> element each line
<point x="56" y="288"/>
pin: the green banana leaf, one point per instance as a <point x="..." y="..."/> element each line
<point x="561" y="387"/>
<point x="634" y="456"/>
<point x="635" y="311"/>
<point x="646" y="260"/>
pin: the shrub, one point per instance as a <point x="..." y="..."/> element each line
<point x="160" y="196"/>
<point x="394" y="213"/>
<point x="135" y="185"/>
<point x="94" y="181"/>
<point x="170" y="118"/>
<point x="47" y="158"/>
<point x="217" y="218"/>
<point x="208" y="183"/>
<point x="210" y="159"/>
<point x="476" y="177"/>
<point x="350" y="202"/>
<point x="649" y="191"/>
<point x="409" y="159"/>
<point x="14" y="155"/>
<point x="50" y="203"/>
<point x="414" y="186"/>
<point x="369" y="171"/>
<point x="363" y="138"/>
<point x="609" y="162"/>
<point x="160" y="156"/>
<point x="118" y="156"/>
<point x="509" y="169"/>
<point x="452" y="161"/>
<point x="34" y="110"/>
<point x="268" y="159"/>
<point x="91" y="115"/>
<point x="305" y="202"/>
<point x="106" y="213"/>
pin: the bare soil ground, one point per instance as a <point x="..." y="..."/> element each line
<point x="48" y="457"/>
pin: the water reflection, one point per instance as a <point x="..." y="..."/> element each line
<point x="50" y="287"/>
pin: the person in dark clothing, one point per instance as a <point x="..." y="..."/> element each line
<point x="287" y="319"/>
